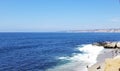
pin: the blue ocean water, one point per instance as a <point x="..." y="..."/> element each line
<point x="40" y="51"/>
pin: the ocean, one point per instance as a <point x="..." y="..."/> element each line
<point x="50" y="51"/>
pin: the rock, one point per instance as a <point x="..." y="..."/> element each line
<point x="100" y="43"/>
<point x="118" y="45"/>
<point x="108" y="44"/>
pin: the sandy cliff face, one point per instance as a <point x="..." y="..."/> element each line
<point x="112" y="64"/>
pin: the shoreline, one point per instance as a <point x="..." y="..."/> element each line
<point x="102" y="57"/>
<point x="92" y="59"/>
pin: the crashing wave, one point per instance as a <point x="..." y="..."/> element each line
<point x="79" y="61"/>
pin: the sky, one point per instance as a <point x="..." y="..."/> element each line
<point x="58" y="15"/>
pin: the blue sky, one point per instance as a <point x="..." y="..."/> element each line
<point x="58" y="15"/>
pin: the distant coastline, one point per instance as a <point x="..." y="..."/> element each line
<point x="70" y="31"/>
<point x="97" y="30"/>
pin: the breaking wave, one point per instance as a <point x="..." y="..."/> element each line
<point x="80" y="61"/>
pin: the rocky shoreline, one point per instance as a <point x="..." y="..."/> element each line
<point x="108" y="44"/>
<point x="109" y="59"/>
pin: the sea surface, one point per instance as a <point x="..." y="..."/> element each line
<point x="50" y="51"/>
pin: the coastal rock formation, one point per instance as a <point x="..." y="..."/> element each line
<point x="108" y="44"/>
<point x="109" y="59"/>
<point x="118" y="45"/>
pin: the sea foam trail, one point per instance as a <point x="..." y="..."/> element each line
<point x="80" y="61"/>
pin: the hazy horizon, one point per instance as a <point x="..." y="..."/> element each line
<point x="58" y="15"/>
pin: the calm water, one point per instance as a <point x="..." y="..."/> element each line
<point x="40" y="51"/>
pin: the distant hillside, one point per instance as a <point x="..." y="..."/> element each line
<point x="97" y="30"/>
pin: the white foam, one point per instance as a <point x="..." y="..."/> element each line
<point x="90" y="53"/>
<point x="80" y="61"/>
